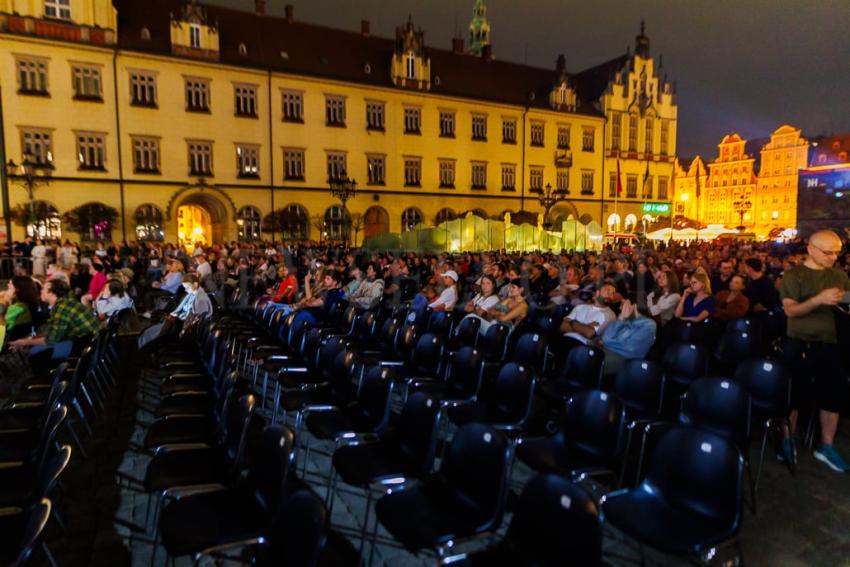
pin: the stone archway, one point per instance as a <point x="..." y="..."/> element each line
<point x="376" y="220"/>
<point x="209" y="214"/>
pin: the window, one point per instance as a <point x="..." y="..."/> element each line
<point x="195" y="36"/>
<point x="95" y="221"/>
<point x="633" y="126"/>
<point x="631" y="186"/>
<point x="149" y="223"/>
<point x="479" y="127"/>
<point x="87" y="82"/>
<point x="616" y="125"/>
<point x="294" y="223"/>
<point x="612" y="185"/>
<point x="59" y="9"/>
<point x="411" y="65"/>
<point x="145" y="154"/>
<point x="563" y="180"/>
<point x="662" y="187"/>
<point x="377" y="169"/>
<point x="563" y="137"/>
<point x="337" y="223"/>
<point x="508" y="177"/>
<point x="293" y="164"/>
<point x="38" y="143"/>
<point x="336" y="166"/>
<point x="91" y="150"/>
<point x="248" y="224"/>
<point x="588" y="139"/>
<point x="200" y="157"/>
<point x="375" y="116"/>
<point x="198" y="95"/>
<point x="410" y="218"/>
<point x="665" y="134"/>
<point x="245" y="97"/>
<point x="479" y="175"/>
<point x="445" y="215"/>
<point x="32" y="75"/>
<point x="587" y="182"/>
<point x="293" y="106"/>
<point x="447" y="124"/>
<point x="537" y="133"/>
<point x="247" y="160"/>
<point x="647" y="187"/>
<point x="142" y="89"/>
<point x="509" y="131"/>
<point x="412" y="120"/>
<point x="412" y="172"/>
<point x="649" y="134"/>
<point x="334" y="110"/>
<point x="447" y="173"/>
<point x="535" y="178"/>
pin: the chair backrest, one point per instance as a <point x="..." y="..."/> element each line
<point x="700" y="471"/>
<point x="365" y="328"/>
<point x="464" y="373"/>
<point x="299" y="531"/>
<point x="269" y="470"/>
<point x="406" y="340"/>
<point x="556" y="522"/>
<point x="328" y="353"/>
<point x="512" y="395"/>
<point x="466" y="332"/>
<point x="736" y="346"/>
<point x="427" y="356"/>
<point x="495" y="343"/>
<point x="311" y="346"/>
<point x="719" y="405"/>
<point x="442" y="323"/>
<point x="475" y="465"/>
<point x="690" y="331"/>
<point x="685" y="362"/>
<point x="389" y="331"/>
<point x="55" y="462"/>
<point x="36" y="521"/>
<point x="47" y="437"/>
<point x="595" y="424"/>
<point x="531" y="351"/>
<point x="768" y="383"/>
<point x="375" y="396"/>
<point x="417" y="429"/>
<point x="583" y="367"/>
<point x="640" y="385"/>
<point x="237" y="423"/>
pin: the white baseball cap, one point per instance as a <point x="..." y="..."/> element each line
<point x="451" y="274"/>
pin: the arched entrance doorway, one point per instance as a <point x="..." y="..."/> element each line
<point x="201" y="218"/>
<point x="376" y="221"/>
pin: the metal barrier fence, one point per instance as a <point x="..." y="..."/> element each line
<point x="9" y="263"/>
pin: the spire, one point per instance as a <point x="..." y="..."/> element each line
<point x="479" y="28"/>
<point x="642" y="42"/>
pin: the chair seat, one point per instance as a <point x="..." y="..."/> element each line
<point x="477" y="413"/>
<point x="329" y="424"/>
<point x="276" y="364"/>
<point x="180" y="429"/>
<point x="193" y="403"/>
<point x="358" y="465"/>
<point x="197" y="522"/>
<point x="186" y="384"/>
<point x="650" y="520"/>
<point x="187" y="467"/>
<point x="547" y="455"/>
<point x="557" y="390"/>
<point x="426" y="516"/>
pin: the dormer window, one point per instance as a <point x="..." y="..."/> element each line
<point x="195" y="36"/>
<point x="411" y="65"/>
<point x="59" y="9"/>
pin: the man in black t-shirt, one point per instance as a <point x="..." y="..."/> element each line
<point x="760" y="289"/>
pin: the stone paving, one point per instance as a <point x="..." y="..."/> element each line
<point x="801" y="520"/>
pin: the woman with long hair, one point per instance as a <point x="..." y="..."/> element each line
<point x="662" y="300"/>
<point x="22" y="301"/>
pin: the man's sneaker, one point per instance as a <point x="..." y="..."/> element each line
<point x="787" y="451"/>
<point x="827" y="454"/>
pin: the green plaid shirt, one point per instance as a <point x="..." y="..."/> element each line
<point x="70" y="319"/>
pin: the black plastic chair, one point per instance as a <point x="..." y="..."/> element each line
<point x="495" y="343"/>
<point x="582" y="370"/>
<point x="555" y="524"/>
<point x="734" y="347"/>
<point x="297" y="535"/>
<point x="590" y="442"/>
<point x="685" y="362"/>
<point x="22" y="531"/>
<point x="465" y="498"/>
<point x="640" y="386"/>
<point x="196" y="522"/>
<point x="690" y="500"/>
<point x="462" y="378"/>
<point x="508" y="404"/>
<point x="466" y="333"/>
<point x="721" y="406"/>
<point x="532" y="350"/>
<point x="24" y="484"/>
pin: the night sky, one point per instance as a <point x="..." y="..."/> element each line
<point x="740" y="66"/>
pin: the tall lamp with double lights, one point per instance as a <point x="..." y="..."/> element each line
<point x="741" y="207"/>
<point x="548" y="198"/>
<point x="29" y="174"/>
<point x="343" y="188"/>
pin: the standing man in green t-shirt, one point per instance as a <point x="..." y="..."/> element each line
<point x="809" y="293"/>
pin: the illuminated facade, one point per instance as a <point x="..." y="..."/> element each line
<point x="199" y="122"/>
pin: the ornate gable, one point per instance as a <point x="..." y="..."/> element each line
<point x="411" y="65"/>
<point x="193" y="34"/>
<point x="562" y="96"/>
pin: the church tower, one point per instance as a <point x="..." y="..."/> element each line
<point x="479" y="28"/>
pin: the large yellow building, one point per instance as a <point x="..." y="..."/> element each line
<point x="176" y="120"/>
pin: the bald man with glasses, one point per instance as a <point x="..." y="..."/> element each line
<point x="809" y="293"/>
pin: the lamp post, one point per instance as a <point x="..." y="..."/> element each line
<point x="343" y="188"/>
<point x="548" y="197"/>
<point x="742" y="206"/>
<point x="30" y="174"/>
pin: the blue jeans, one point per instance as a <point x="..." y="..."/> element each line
<point x="61" y="350"/>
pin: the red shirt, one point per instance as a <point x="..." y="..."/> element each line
<point x="284" y="295"/>
<point x="98" y="280"/>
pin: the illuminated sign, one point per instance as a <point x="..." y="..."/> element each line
<point x="657" y="208"/>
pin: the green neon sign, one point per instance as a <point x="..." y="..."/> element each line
<point x="657" y="208"/>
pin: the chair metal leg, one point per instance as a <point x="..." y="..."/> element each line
<point x="79" y="409"/>
<point x="50" y="558"/>
<point x="58" y="519"/>
<point x="374" y="535"/>
<point x="366" y="523"/>
<point x="276" y="402"/>
<point x="76" y="439"/>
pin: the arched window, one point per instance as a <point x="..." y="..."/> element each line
<point x="445" y="215"/>
<point x="337" y="223"/>
<point x="631" y="221"/>
<point x="481" y="213"/>
<point x="613" y="222"/>
<point x="410" y="218"/>
<point x="248" y="224"/>
<point x="42" y="220"/>
<point x="149" y="223"/>
<point x="411" y="65"/>
<point x="294" y="222"/>
<point x="92" y="221"/>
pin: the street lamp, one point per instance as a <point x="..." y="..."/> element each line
<point x="742" y="206"/>
<point x="30" y="174"/>
<point x="548" y="197"/>
<point x="343" y="188"/>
